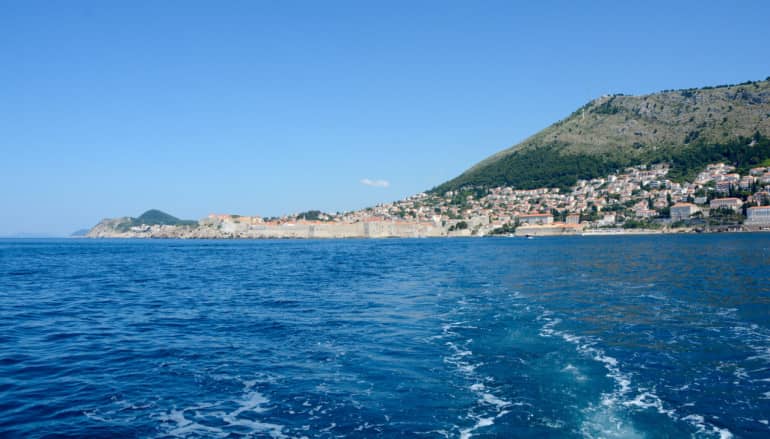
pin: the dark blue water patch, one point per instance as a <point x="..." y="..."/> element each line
<point x="574" y="337"/>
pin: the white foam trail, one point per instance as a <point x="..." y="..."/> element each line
<point x="703" y="427"/>
<point x="461" y="357"/>
<point x="487" y="397"/>
<point x="480" y="423"/>
<point x="647" y="400"/>
<point x="93" y="416"/>
<point x="575" y="372"/>
<point x="253" y="402"/>
<point x="183" y="425"/>
<point x="607" y="422"/>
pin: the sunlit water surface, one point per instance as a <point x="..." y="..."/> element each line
<point x="663" y="336"/>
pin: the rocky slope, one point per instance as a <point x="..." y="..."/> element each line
<point x="615" y="131"/>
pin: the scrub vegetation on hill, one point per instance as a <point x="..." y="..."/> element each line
<point x="155" y="217"/>
<point x="686" y="128"/>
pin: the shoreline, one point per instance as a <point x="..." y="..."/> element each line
<point x="585" y="233"/>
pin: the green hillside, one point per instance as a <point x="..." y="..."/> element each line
<point x="681" y="127"/>
<point x="154" y="217"/>
<point x="157" y="217"/>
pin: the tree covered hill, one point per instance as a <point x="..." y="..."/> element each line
<point x="154" y="217"/>
<point x="681" y="127"/>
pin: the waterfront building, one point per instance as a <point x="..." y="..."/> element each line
<point x="573" y="218"/>
<point x="759" y="215"/>
<point x="536" y="218"/>
<point x="683" y="211"/>
<point x="608" y="220"/>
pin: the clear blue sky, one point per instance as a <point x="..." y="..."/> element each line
<point x="268" y="107"/>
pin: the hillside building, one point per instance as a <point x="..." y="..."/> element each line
<point x="726" y="203"/>
<point x="683" y="211"/>
<point x="536" y="218"/>
<point x="573" y="218"/>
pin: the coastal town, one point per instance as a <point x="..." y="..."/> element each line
<point x="641" y="199"/>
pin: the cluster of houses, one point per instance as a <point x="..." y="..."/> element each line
<point x="642" y="194"/>
<point x="637" y="195"/>
<point x="722" y="180"/>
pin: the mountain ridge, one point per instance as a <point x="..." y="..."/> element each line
<point x="615" y="131"/>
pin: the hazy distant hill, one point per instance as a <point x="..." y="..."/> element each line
<point x="679" y="126"/>
<point x="152" y="217"/>
<point x="157" y="217"/>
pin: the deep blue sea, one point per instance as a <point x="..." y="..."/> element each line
<point x="597" y="337"/>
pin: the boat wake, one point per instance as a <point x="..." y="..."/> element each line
<point x="215" y="420"/>
<point x="608" y="418"/>
<point x="489" y="407"/>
